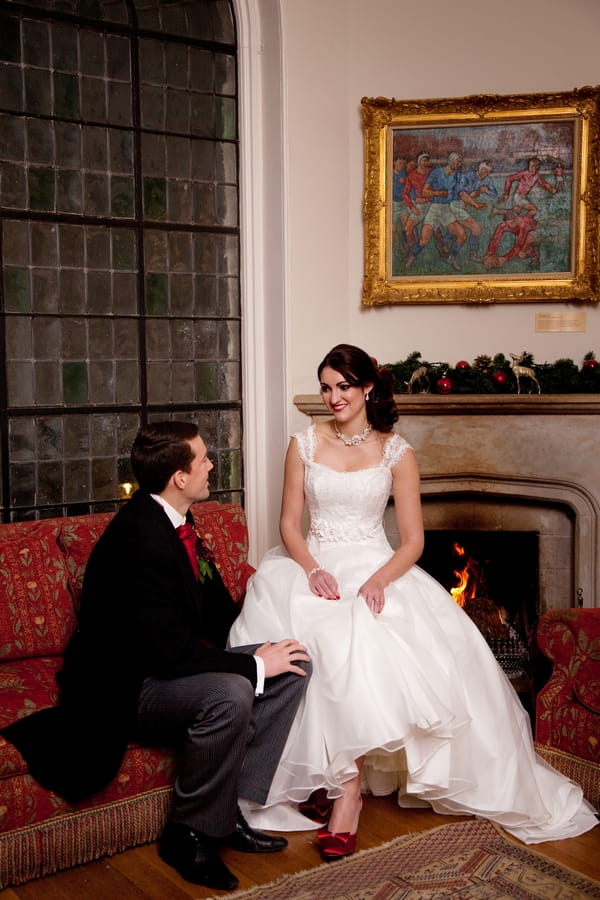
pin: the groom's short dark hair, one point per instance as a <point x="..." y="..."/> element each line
<point x="159" y="450"/>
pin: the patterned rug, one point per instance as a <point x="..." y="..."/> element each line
<point x="467" y="861"/>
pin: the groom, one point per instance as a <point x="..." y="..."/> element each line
<point x="148" y="663"/>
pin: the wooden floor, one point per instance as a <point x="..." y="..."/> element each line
<point x="139" y="873"/>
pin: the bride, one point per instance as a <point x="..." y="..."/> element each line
<point x="405" y="695"/>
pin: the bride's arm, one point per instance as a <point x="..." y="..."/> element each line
<point x="409" y="517"/>
<point x="290" y="526"/>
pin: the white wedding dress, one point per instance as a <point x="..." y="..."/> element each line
<point x="415" y="690"/>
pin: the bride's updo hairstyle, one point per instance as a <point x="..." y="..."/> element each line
<point x="358" y="368"/>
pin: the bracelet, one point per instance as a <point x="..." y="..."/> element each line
<point x="314" y="571"/>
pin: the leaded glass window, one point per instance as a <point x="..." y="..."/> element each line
<point x="119" y="243"/>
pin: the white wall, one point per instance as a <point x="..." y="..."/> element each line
<point x="305" y="65"/>
<point x="338" y="51"/>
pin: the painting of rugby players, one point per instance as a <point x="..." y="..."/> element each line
<point x="481" y="198"/>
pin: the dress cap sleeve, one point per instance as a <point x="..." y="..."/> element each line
<point x="394" y="449"/>
<point x="306" y="441"/>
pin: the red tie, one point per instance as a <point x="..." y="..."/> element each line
<point x="188" y="536"/>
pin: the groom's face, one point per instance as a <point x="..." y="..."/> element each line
<point x="195" y="484"/>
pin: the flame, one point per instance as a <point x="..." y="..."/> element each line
<point x="458" y="592"/>
<point x="469" y="578"/>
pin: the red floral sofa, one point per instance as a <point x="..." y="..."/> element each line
<point x="41" y="574"/>
<point x="568" y="706"/>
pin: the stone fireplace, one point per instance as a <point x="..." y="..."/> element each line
<point x="511" y="463"/>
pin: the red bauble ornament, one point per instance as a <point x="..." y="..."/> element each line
<point x="590" y="363"/>
<point x="499" y="378"/>
<point x="444" y="385"/>
<point x="462" y="364"/>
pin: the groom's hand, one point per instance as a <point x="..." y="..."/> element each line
<point x="280" y="657"/>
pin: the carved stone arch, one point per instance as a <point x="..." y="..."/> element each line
<point x="580" y="503"/>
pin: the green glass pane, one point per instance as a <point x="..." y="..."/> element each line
<point x="123" y="249"/>
<point x="10" y="39"/>
<point x="207" y="381"/>
<point x="157" y="294"/>
<point x="104" y="483"/>
<point x="21" y="440"/>
<point x="76" y="480"/>
<point x="66" y="95"/>
<point x="124" y="471"/>
<point x="41" y="189"/>
<point x="230" y="470"/>
<point x="64" y="48"/>
<point x="75" y="382"/>
<point x="155" y="197"/>
<point x="121" y="196"/>
<point x="69" y="192"/>
<point x="91" y="9"/>
<point x="224" y="21"/>
<point x="22" y="484"/>
<point x="225" y="82"/>
<point x="225" y="118"/>
<point x="17" y="292"/>
<point x="49" y="482"/>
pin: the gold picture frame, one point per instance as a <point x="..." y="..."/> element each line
<point x="507" y="211"/>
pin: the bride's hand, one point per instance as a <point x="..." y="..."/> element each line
<point x="372" y="594"/>
<point x="323" y="584"/>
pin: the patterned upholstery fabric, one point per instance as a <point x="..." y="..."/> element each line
<point x="76" y="538"/>
<point x="26" y="685"/>
<point x="568" y="706"/>
<point x="41" y="573"/>
<point x="36" y="614"/>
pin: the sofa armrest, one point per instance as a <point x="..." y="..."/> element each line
<point x="568" y="706"/>
<point x="563" y="634"/>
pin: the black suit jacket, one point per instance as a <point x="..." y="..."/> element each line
<point x="143" y="613"/>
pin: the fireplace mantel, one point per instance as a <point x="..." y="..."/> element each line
<point x="476" y="404"/>
<point x="493" y="460"/>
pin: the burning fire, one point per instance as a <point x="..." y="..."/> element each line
<point x="493" y="620"/>
<point x="470" y="578"/>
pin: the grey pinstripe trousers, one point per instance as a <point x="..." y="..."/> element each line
<point x="229" y="741"/>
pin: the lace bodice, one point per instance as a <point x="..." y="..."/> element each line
<point x="347" y="507"/>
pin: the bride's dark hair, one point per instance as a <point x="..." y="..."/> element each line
<point x="358" y="368"/>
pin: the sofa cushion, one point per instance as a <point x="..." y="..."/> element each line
<point x="76" y="539"/>
<point x="26" y="685"/>
<point x="37" y="616"/>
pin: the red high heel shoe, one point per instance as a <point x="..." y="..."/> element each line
<point x="335" y="846"/>
<point x="318" y="807"/>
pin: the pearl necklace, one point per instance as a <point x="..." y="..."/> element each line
<point x="356" y="439"/>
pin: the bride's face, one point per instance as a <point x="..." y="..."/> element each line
<point x="346" y="401"/>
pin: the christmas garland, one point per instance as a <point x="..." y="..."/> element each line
<point x="496" y="375"/>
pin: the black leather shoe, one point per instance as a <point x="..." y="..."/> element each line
<point x="248" y="840"/>
<point x="195" y="856"/>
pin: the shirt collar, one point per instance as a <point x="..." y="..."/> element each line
<point x="175" y="517"/>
